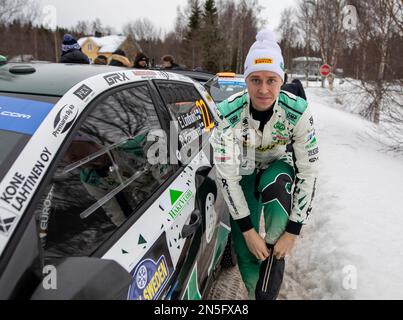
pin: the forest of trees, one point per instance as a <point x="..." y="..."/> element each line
<point x="364" y="38"/>
<point x="203" y="31"/>
<point x="216" y="35"/>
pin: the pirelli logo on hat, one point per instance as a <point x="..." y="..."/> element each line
<point x="264" y="61"/>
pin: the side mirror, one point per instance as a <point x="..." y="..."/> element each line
<point x="86" y="278"/>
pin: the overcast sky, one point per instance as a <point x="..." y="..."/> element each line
<point x="116" y="13"/>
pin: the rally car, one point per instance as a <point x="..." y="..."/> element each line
<point x="107" y="188"/>
<point x="224" y="85"/>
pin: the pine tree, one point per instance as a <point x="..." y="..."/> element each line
<point x="211" y="37"/>
<point x="192" y="43"/>
<point x="195" y="17"/>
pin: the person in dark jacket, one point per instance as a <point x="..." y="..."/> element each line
<point x="169" y="63"/>
<point x="294" y="87"/>
<point x="101" y="59"/>
<point x="141" y="61"/>
<point x="71" y="51"/>
<point x="118" y="58"/>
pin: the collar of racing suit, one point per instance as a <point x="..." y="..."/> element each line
<point x="262" y="116"/>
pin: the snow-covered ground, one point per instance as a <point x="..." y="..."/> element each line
<point x="352" y="247"/>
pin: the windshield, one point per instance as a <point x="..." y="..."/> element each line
<point x="223" y="89"/>
<point x="20" y="116"/>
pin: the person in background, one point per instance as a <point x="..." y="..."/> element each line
<point x="118" y="59"/>
<point x="295" y="87"/>
<point x="141" y="61"/>
<point x="101" y="59"/>
<point x="71" y="51"/>
<point x="169" y="63"/>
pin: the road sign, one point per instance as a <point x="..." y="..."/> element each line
<point x="325" y="70"/>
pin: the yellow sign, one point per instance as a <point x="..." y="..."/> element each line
<point x="264" y="61"/>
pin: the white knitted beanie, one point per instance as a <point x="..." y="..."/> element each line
<point x="265" y="55"/>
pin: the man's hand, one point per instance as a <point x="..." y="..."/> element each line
<point x="256" y="244"/>
<point x="284" y="245"/>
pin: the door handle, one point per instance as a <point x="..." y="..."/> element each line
<point x="191" y="228"/>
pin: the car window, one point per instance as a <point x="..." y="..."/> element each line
<point x="104" y="175"/>
<point x="188" y="108"/>
<point x="224" y="88"/>
<point x="20" y="116"/>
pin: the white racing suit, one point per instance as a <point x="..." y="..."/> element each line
<point x="273" y="171"/>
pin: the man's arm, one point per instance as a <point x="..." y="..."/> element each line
<point x="307" y="157"/>
<point x="307" y="160"/>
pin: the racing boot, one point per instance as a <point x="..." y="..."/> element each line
<point x="270" y="277"/>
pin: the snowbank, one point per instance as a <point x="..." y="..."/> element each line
<point x="352" y="247"/>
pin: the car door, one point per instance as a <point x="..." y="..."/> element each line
<point x="193" y="121"/>
<point x="170" y="228"/>
<point x="103" y="182"/>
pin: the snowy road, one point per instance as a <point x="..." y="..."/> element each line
<point x="353" y="245"/>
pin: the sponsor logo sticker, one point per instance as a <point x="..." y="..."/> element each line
<point x="291" y="116"/>
<point x="22" y="115"/>
<point x="313" y="152"/>
<point x="83" y="92"/>
<point x="179" y="200"/>
<point x="149" y="279"/>
<point x="145" y="73"/>
<point x="20" y="188"/>
<point x="186" y="120"/>
<point x="311" y="135"/>
<point x="114" y="78"/>
<point x="279" y="126"/>
<point x="65" y="118"/>
<point x="280" y="138"/>
<point x="6" y="223"/>
<point x="312" y="143"/>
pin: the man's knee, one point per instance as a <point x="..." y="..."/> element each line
<point x="278" y="188"/>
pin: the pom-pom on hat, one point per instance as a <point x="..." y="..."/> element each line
<point x="265" y="55"/>
<point x="69" y="43"/>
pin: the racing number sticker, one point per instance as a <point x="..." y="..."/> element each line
<point x="208" y="124"/>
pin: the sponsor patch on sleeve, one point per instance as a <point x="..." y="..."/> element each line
<point x="22" y="115"/>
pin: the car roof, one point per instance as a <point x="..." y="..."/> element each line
<point x="230" y="77"/>
<point x="45" y="78"/>
<point x="200" y="76"/>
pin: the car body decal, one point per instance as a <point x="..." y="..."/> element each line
<point x="192" y="291"/>
<point x="149" y="279"/>
<point x="22" y="115"/>
<point x="22" y="180"/>
<point x="219" y="246"/>
<point x="169" y="213"/>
